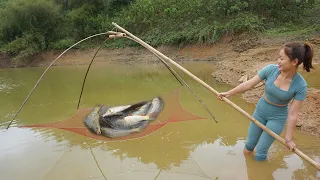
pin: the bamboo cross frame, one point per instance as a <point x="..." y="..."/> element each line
<point x="271" y="133"/>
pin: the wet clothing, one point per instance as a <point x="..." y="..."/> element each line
<point x="272" y="116"/>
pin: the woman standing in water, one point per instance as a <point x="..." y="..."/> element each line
<point x="283" y="83"/>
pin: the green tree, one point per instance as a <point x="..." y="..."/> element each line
<point x="29" y="24"/>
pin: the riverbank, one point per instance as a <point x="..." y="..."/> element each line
<point x="235" y="58"/>
<point x="238" y="67"/>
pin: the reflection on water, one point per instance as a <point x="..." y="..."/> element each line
<point x="201" y="149"/>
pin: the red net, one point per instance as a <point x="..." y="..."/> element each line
<point x="172" y="112"/>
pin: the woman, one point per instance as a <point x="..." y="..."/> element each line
<point x="283" y="83"/>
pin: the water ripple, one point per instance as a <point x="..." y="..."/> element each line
<point x="7" y="84"/>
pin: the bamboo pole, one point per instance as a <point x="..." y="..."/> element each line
<point x="271" y="133"/>
<point x="181" y="81"/>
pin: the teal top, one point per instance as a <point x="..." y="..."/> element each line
<point x="297" y="89"/>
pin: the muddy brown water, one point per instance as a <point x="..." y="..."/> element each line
<point x="196" y="149"/>
<point x="312" y="77"/>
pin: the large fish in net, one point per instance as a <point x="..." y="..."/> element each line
<point x="172" y="112"/>
<point x="119" y="121"/>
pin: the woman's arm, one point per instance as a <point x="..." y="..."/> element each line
<point x="241" y="87"/>
<point x="291" y="122"/>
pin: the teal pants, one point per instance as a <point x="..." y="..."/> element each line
<point x="274" y="118"/>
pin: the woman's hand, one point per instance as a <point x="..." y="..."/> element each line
<point x="223" y="94"/>
<point x="290" y="144"/>
<point x="241" y="87"/>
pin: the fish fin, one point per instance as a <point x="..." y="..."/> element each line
<point x="146" y="117"/>
<point x="108" y="123"/>
<point x="144" y="124"/>
<point x="115" y="114"/>
<point x="118" y="114"/>
<point x="141" y="118"/>
<point x="103" y="110"/>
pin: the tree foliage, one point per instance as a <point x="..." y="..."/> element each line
<point x="31" y="26"/>
<point x="27" y="27"/>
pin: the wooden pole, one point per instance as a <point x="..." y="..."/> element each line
<point x="271" y="133"/>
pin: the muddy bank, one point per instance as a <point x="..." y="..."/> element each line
<point x="234" y="67"/>
<point x="130" y="55"/>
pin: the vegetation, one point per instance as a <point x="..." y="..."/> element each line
<point x="28" y="27"/>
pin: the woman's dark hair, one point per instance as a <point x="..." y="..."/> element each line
<point x="304" y="54"/>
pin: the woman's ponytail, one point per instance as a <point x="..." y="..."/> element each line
<point x="307" y="61"/>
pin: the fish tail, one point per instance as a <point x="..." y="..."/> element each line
<point x="136" y="130"/>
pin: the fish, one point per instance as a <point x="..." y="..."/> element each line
<point x="115" y="109"/>
<point x="120" y="121"/>
<point x="143" y="110"/>
<point x="124" y="109"/>
<point x="156" y="107"/>
<point x="131" y="120"/>
<point x="115" y="133"/>
<point x="72" y="124"/>
<point x="93" y="120"/>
